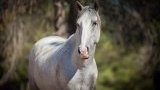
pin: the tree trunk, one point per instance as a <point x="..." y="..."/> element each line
<point x="60" y="18"/>
<point x="65" y="26"/>
<point x="72" y="17"/>
<point x="11" y="38"/>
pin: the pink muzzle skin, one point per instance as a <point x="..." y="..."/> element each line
<point x="83" y="52"/>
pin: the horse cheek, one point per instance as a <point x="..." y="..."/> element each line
<point x="97" y="36"/>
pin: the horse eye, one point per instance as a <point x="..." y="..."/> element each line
<point x="94" y="23"/>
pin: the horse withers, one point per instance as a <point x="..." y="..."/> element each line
<point x="56" y="63"/>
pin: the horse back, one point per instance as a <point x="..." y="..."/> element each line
<point x="46" y="44"/>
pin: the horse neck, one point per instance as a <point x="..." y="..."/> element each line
<point x="77" y="61"/>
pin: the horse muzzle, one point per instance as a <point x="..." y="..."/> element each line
<point x="83" y="52"/>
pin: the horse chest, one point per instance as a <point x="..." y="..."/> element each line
<point x="82" y="80"/>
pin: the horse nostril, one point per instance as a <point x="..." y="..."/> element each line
<point x="83" y="50"/>
<point x="87" y="49"/>
<point x="79" y="50"/>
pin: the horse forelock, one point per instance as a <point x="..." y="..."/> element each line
<point x="91" y="11"/>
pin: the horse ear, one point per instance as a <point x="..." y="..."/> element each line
<point x="79" y="6"/>
<point x="95" y="5"/>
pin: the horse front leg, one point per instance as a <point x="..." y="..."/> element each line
<point x="93" y="83"/>
<point x="93" y="87"/>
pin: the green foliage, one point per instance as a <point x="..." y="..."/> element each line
<point x="118" y="67"/>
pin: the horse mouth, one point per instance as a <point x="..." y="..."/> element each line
<point x="84" y="56"/>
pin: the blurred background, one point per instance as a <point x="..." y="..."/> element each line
<point x="128" y="54"/>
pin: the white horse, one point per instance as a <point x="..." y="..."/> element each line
<point x="56" y="63"/>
